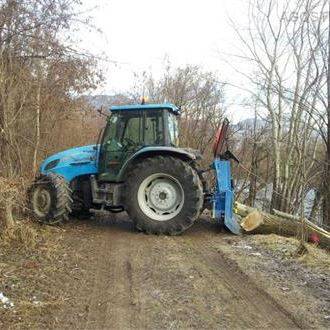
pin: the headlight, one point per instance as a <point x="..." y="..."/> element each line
<point x="52" y="164"/>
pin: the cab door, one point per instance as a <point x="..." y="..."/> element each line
<point x="122" y="137"/>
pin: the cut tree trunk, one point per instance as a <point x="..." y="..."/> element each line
<point x="258" y="222"/>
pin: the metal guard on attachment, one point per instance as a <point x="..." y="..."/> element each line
<point x="223" y="197"/>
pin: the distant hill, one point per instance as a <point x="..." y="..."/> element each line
<point x="248" y="124"/>
<point x="106" y="101"/>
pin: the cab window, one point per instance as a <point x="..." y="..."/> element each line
<point x="132" y="131"/>
<point x="154" y="128"/>
<point x="173" y="129"/>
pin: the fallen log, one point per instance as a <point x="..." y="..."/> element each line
<point x="259" y="222"/>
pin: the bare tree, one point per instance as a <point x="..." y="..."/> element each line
<point x="327" y="185"/>
<point x="41" y="75"/>
<point x="284" y="51"/>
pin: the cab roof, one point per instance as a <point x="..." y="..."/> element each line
<point x="150" y="106"/>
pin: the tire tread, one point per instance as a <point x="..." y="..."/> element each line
<point x="61" y="204"/>
<point x="193" y="196"/>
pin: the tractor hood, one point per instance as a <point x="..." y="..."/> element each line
<point x="72" y="162"/>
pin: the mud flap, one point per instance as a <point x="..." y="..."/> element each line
<point x="223" y="198"/>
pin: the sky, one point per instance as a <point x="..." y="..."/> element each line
<point x="138" y="35"/>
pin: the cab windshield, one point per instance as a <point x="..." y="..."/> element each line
<point x="131" y="129"/>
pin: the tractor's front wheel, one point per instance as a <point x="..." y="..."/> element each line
<point x="50" y="199"/>
<point x="164" y="195"/>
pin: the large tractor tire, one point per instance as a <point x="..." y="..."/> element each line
<point x="164" y="195"/>
<point x="50" y="199"/>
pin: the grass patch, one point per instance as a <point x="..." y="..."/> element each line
<point x="30" y="256"/>
<point x="287" y="247"/>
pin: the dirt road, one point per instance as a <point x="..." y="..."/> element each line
<point x="124" y="279"/>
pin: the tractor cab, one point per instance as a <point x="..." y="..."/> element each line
<point x="133" y="127"/>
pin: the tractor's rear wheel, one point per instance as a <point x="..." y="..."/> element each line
<point x="164" y="195"/>
<point x="50" y="199"/>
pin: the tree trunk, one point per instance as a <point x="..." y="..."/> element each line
<point x="280" y="223"/>
<point x="37" y="142"/>
<point x="316" y="205"/>
<point x="326" y="213"/>
<point x="254" y="166"/>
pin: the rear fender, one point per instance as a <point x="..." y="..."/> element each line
<point x="155" y="151"/>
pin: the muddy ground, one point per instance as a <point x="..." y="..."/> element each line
<point x="103" y="274"/>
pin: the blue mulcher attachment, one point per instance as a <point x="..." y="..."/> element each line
<point x="223" y="197"/>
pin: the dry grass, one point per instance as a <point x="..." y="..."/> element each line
<point x="23" y="234"/>
<point x="287" y="247"/>
<point x="30" y="255"/>
<point x="29" y="235"/>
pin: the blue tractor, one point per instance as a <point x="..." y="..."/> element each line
<point x="137" y="167"/>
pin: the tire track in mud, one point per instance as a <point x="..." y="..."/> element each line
<point x="144" y="281"/>
<point x="252" y="306"/>
<point x="112" y="304"/>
